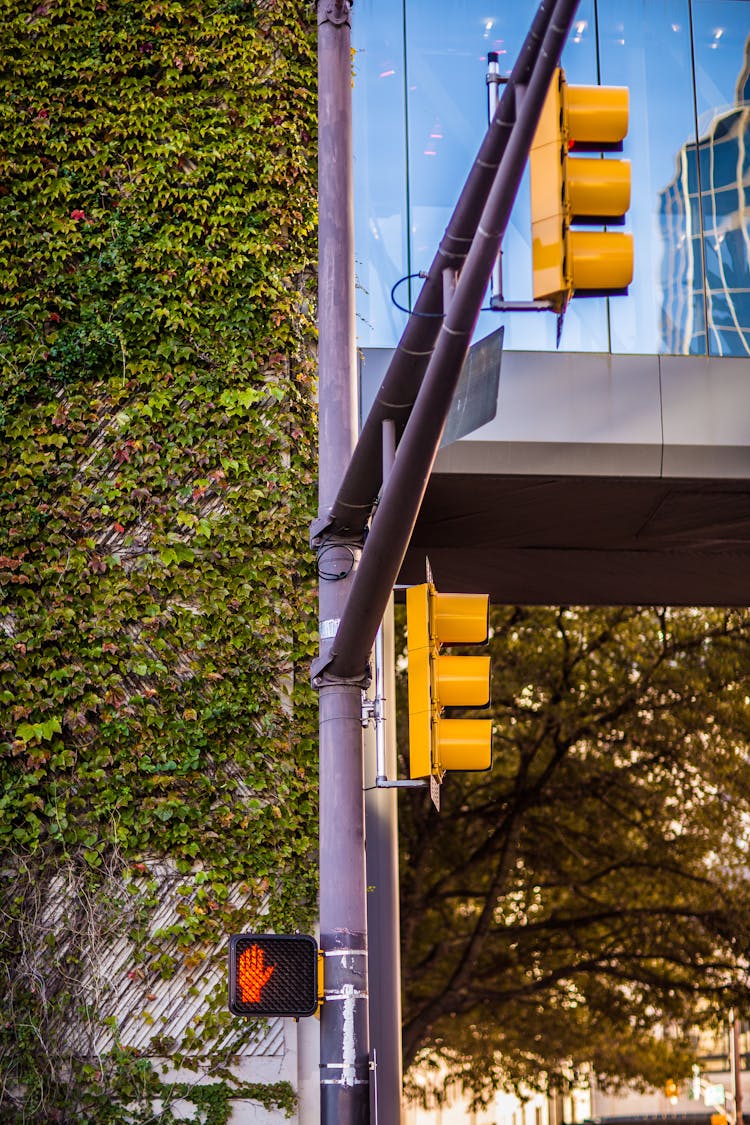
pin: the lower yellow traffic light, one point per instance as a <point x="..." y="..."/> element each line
<point x="273" y="975"/>
<point x="671" y="1090"/>
<point x="437" y="680"/>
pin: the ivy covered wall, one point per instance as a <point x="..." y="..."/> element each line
<point x="157" y="244"/>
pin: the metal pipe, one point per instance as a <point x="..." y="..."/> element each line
<point x="389" y="456"/>
<point x="344" y="1031"/>
<point x="402" y="495"/>
<point x="381" y="812"/>
<point x="379" y="711"/>
<point x="359" y="488"/>
<point x="493" y="100"/>
<point x="735" y="1067"/>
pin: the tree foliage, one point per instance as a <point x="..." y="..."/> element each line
<point x="157" y="241"/>
<point x="592" y="887"/>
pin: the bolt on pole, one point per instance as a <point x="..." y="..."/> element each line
<point x="344" y="1039"/>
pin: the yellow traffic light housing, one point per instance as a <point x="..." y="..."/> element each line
<point x="437" y="680"/>
<point x="273" y="975"/>
<point x="671" y="1090"/>
<point x="569" y="189"/>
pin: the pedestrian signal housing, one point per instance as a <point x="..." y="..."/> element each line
<point x="570" y="190"/>
<point x="437" y="680"/>
<point x="273" y="975"/>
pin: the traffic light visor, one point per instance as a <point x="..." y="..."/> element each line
<point x="463" y="681"/>
<point x="460" y="618"/>
<point x="598" y="188"/>
<point x="600" y="260"/>
<point x="464" y="744"/>
<point x="597" y="115"/>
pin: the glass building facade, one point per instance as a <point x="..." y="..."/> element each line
<point x="420" y="111"/>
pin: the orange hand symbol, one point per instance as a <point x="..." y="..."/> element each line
<point x="252" y="974"/>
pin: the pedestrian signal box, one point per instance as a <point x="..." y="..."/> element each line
<point x="273" y="975"/>
<point x="437" y="681"/>
<point x="570" y="190"/>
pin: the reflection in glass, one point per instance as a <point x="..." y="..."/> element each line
<point x="705" y="219"/>
<point x="447" y="42"/>
<point x="380" y="176"/>
<point x="420" y="113"/>
<point x="646" y="47"/>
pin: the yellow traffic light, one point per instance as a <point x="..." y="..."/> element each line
<point x="671" y="1090"/>
<point x="436" y="680"/>
<point x="569" y="189"/>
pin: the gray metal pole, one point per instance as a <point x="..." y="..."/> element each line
<point x="735" y="1067"/>
<point x="381" y="818"/>
<point x="344" y="1042"/>
<point x="402" y="495"/>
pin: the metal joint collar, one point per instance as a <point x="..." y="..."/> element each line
<point x="335" y="12"/>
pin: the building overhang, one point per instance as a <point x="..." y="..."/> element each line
<point x="601" y="480"/>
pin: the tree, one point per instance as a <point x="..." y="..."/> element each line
<point x="593" y="885"/>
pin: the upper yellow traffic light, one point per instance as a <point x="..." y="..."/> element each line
<point x="437" y="681"/>
<point x="568" y="189"/>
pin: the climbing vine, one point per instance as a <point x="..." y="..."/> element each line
<point x="157" y="739"/>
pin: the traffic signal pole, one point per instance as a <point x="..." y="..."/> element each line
<point x="344" y="1042"/>
<point x="355" y="582"/>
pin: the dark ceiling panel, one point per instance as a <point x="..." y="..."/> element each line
<point x="585" y="540"/>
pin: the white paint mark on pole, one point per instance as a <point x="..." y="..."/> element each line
<point x="348" y="1046"/>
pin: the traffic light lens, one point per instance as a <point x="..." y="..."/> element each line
<point x="598" y="188"/>
<point x="465" y="744"/>
<point x="460" y="618"/>
<point x="462" y="681"/>
<point x="601" y="260"/>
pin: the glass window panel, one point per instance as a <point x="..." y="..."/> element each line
<point x="428" y="57"/>
<point x="380" y="186"/>
<point x="722" y="314"/>
<point x="722" y="77"/>
<point x="698" y="171"/>
<point x="725" y="205"/>
<point x="733" y="249"/>
<point x="725" y="159"/>
<point x="645" y="45"/>
<point x="696" y="328"/>
<point x="696" y="261"/>
<point x="447" y="44"/>
<point x="713" y="272"/>
<point x="726" y="341"/>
